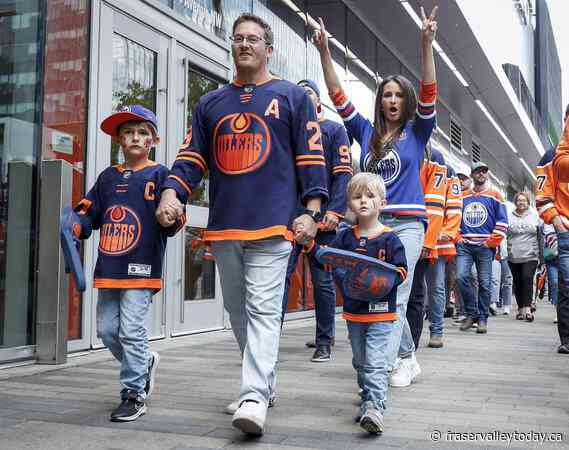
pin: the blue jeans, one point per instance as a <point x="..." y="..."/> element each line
<point x="435" y="276"/>
<point x="552" y="279"/>
<point x="411" y="234"/>
<point x="501" y="283"/>
<point x="324" y="296"/>
<point x="121" y="315"/>
<point x="369" y="343"/>
<point x="563" y="292"/>
<point x="481" y="257"/>
<point x="252" y="275"/>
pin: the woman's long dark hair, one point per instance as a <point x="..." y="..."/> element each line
<point x="378" y="149"/>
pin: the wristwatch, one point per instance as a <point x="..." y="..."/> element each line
<point x="315" y="215"/>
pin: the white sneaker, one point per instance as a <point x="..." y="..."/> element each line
<point x="234" y="406"/>
<point x="507" y="310"/>
<point x="400" y="376"/>
<point x="250" y="418"/>
<point x="414" y="367"/>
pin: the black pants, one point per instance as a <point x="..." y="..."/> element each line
<point x="416" y="305"/>
<point x="522" y="279"/>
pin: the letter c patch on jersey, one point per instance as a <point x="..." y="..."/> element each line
<point x="242" y="143"/>
<point x="120" y="231"/>
<point x="149" y="190"/>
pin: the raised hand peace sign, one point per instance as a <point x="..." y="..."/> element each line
<point x="429" y="29"/>
<point x="321" y="37"/>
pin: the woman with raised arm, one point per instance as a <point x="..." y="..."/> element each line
<point x="393" y="147"/>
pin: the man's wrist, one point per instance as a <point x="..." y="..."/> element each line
<point x="313" y="214"/>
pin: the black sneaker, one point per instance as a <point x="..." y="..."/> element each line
<point x="563" y="349"/>
<point x="131" y="408"/>
<point x="312" y="344"/>
<point x="151" y="377"/>
<point x="322" y="354"/>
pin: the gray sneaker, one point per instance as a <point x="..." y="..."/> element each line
<point x="234" y="406"/>
<point x="371" y="419"/>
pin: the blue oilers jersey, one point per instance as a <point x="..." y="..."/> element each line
<point x="122" y="205"/>
<point x="401" y="167"/>
<point x="385" y="246"/>
<point x="262" y="147"/>
<point x="484" y="218"/>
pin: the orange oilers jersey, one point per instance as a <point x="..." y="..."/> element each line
<point x="262" y="147"/>
<point x="122" y="205"/>
<point x="452" y="217"/>
<point x="552" y="185"/>
<point x="434" y="182"/>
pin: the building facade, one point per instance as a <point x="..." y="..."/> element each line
<point x="66" y="64"/>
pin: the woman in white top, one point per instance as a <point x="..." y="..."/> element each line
<point x="524" y="253"/>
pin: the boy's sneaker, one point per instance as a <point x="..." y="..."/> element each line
<point x="151" y="377"/>
<point x="322" y="354"/>
<point x="234" y="406"/>
<point x="131" y="408"/>
<point x="250" y="417"/>
<point x="404" y="372"/>
<point x="371" y="419"/>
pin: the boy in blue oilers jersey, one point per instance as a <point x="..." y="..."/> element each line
<point x="122" y="205"/>
<point x="339" y="171"/>
<point x="260" y="140"/>
<point x="370" y="324"/>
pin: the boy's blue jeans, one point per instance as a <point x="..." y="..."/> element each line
<point x="370" y="342"/>
<point x="121" y="315"/>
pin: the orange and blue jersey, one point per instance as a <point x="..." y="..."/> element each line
<point x="122" y="205"/>
<point x="452" y="216"/>
<point x="262" y="147"/>
<point x="484" y="218"/>
<point x="400" y="168"/>
<point x="385" y="246"/>
<point x="434" y="182"/>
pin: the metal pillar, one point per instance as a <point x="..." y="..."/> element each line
<point x="53" y="282"/>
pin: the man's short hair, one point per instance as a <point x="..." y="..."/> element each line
<point x="250" y="17"/>
<point x="364" y="181"/>
<point x="566" y="112"/>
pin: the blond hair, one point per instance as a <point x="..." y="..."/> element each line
<point x="366" y="181"/>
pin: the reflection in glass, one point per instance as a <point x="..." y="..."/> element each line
<point x="199" y="267"/>
<point x="198" y="85"/>
<point x="134" y="81"/>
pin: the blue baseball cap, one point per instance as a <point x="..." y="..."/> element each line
<point x="127" y="114"/>
<point x="311" y="84"/>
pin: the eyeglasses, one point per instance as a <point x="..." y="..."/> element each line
<point x="252" y="39"/>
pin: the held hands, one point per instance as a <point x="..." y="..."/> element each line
<point x="330" y="222"/>
<point x="429" y="28"/>
<point x="320" y="38"/>
<point x="170" y="208"/>
<point x="304" y="229"/>
<point x="559" y="225"/>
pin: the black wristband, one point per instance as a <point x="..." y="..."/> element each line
<point x="315" y="215"/>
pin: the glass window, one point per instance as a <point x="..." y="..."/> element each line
<point x="20" y="29"/>
<point x="134" y="81"/>
<point x="198" y="85"/>
<point x="199" y="267"/>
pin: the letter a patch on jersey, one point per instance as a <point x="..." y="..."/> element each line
<point x="273" y="109"/>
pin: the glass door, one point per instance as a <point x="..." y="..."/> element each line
<point x="197" y="301"/>
<point x="133" y="62"/>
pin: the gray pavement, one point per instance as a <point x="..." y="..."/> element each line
<point x="508" y="381"/>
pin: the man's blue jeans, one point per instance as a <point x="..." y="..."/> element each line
<point x="369" y="343"/>
<point x="563" y="293"/>
<point x="435" y="276"/>
<point x="121" y="315"/>
<point x="252" y="275"/>
<point x="481" y="257"/>
<point x="552" y="278"/>
<point x="324" y="296"/>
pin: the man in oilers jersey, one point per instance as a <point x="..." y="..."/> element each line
<point x="552" y="201"/>
<point x="339" y="172"/>
<point x="260" y="140"/>
<point x="484" y="225"/>
<point x="122" y="205"/>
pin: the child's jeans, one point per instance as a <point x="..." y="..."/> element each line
<point x="369" y="349"/>
<point x="121" y="315"/>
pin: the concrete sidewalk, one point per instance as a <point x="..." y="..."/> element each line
<point x="510" y="380"/>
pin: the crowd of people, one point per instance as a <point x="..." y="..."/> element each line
<point x="282" y="183"/>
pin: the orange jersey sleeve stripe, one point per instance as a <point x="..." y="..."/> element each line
<point x="311" y="163"/>
<point x="194" y="154"/>
<point x="248" y="235"/>
<point x="181" y="182"/>
<point x="194" y="160"/>
<point x="303" y="157"/>
<point x="369" y="318"/>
